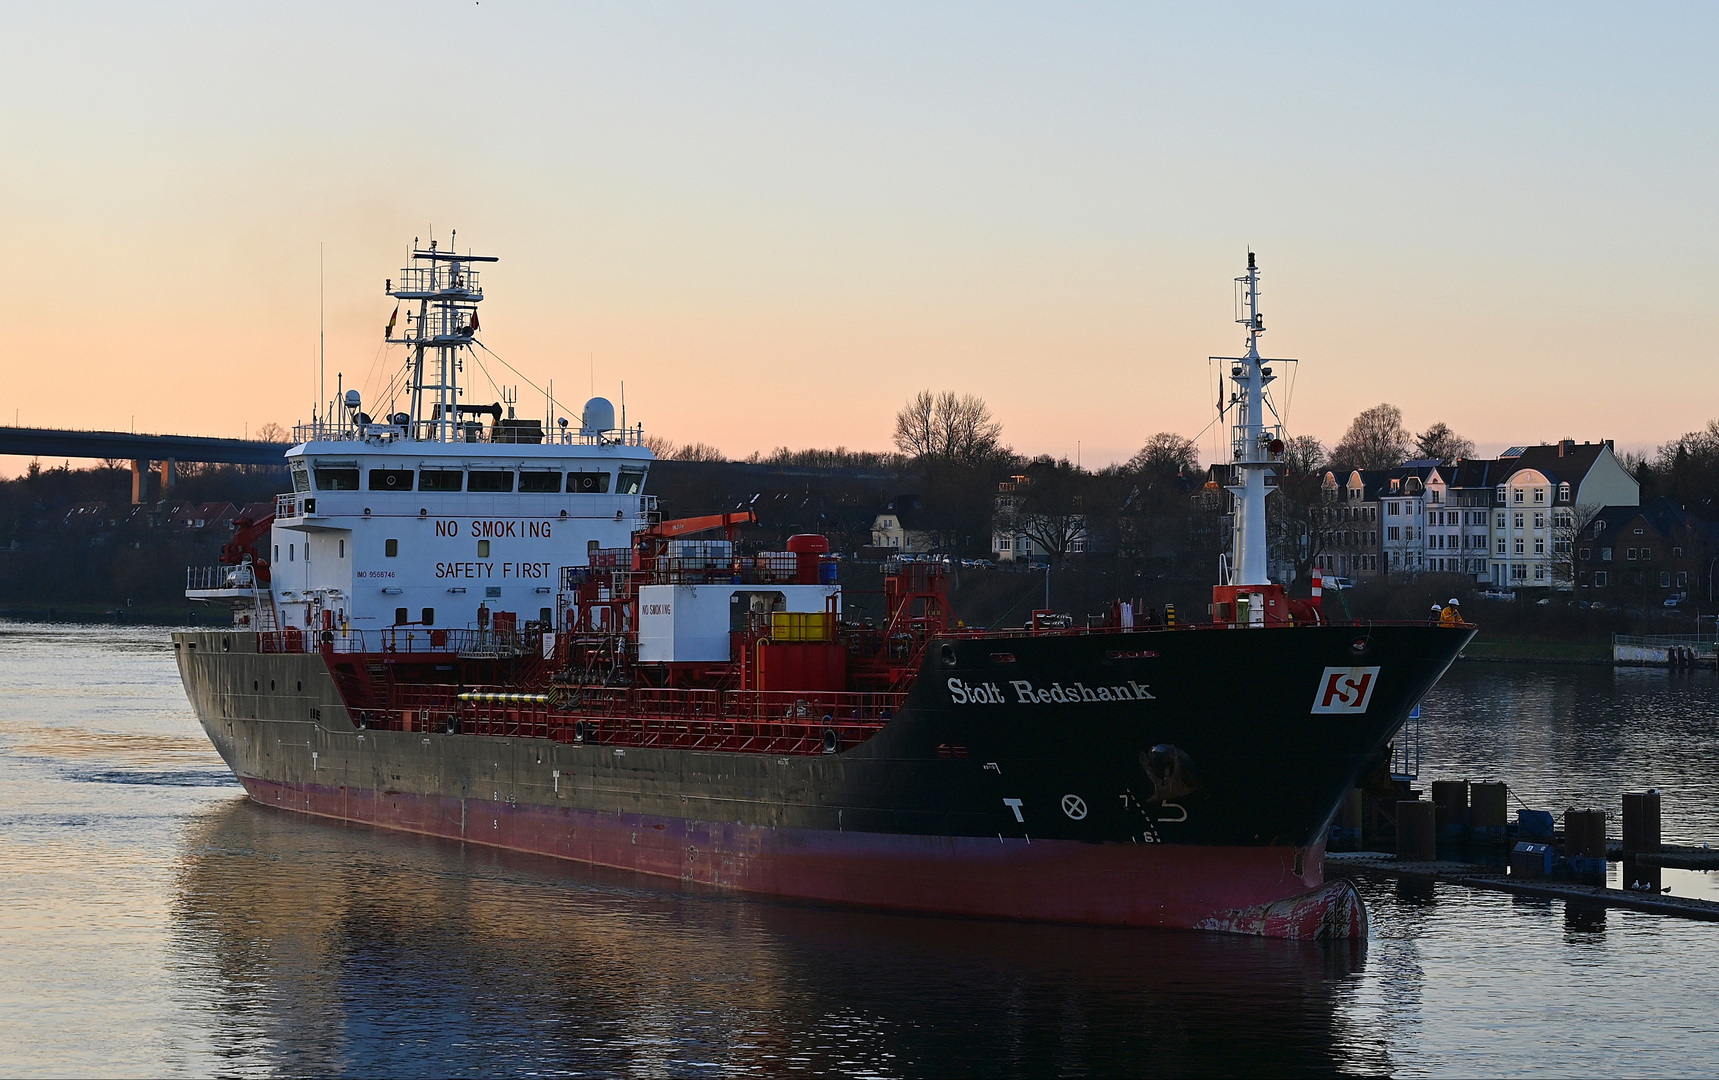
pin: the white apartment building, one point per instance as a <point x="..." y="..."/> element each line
<point x="1542" y="495"/>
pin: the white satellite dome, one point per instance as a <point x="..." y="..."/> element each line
<point x="598" y="417"/>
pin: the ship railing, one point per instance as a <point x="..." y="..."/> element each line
<point x="733" y="721"/>
<point x="490" y="643"/>
<point x="219" y="576"/>
<point x="378" y="432"/>
<point x="438" y="278"/>
<point x="287" y="640"/>
<point x="987" y="632"/>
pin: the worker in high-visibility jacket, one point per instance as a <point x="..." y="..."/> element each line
<point x="1452" y="614"/>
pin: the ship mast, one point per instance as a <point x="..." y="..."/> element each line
<point x="445" y="285"/>
<point x="1255" y="446"/>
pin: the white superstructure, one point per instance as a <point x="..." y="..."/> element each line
<point x="432" y="516"/>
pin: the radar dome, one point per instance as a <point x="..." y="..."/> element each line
<point x="599" y="416"/>
<point x="353" y="399"/>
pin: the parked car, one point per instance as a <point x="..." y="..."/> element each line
<point x="1498" y="594"/>
<point x="1339" y="583"/>
<point x="1675" y="598"/>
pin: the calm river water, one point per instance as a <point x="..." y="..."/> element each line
<point x="153" y="923"/>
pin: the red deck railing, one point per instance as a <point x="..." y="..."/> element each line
<point x="732" y="721"/>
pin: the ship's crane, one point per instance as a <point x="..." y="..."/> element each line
<point x="650" y="543"/>
<point x="246" y="533"/>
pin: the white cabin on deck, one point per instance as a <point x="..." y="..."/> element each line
<point x="385" y="533"/>
<point x="428" y="516"/>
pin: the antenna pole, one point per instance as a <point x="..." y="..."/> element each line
<point x="321" y="334"/>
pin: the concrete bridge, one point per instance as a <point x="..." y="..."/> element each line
<point x="150" y="455"/>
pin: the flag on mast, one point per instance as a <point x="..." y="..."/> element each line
<point x="389" y="330"/>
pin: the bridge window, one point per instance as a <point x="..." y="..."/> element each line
<point x="588" y="483"/>
<point x="490" y="480"/>
<point x="540" y="481"/>
<point x="440" y="480"/>
<point x="390" y="479"/>
<point x="300" y="478"/>
<point x="630" y="482"/>
<point x="336" y="479"/>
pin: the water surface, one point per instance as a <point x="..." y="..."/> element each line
<point x="155" y="922"/>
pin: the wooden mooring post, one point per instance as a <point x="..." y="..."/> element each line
<point x="1585" y="848"/>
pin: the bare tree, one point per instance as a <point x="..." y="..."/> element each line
<point x="273" y="432"/>
<point x="1568" y="523"/>
<point x="1375" y="440"/>
<point x="663" y="448"/>
<point x="697" y="451"/>
<point x="1440" y="443"/>
<point x="1166" y="454"/>
<point x="1048" y="507"/>
<point x="948" y="428"/>
<point x="1298" y="517"/>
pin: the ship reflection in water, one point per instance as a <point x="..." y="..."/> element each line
<point x="153" y="922"/>
<point x="326" y="949"/>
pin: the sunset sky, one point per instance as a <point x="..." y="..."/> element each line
<point x="776" y="222"/>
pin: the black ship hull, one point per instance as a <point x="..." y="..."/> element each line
<point x="1175" y="778"/>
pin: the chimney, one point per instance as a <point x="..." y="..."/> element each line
<point x="1566" y="447"/>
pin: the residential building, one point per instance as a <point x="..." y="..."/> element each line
<point x="898" y="527"/>
<point x="1645" y="555"/>
<point x="1465" y="518"/>
<point x="1405" y="496"/>
<point x="1348" y="541"/>
<point x="1543" y="496"/>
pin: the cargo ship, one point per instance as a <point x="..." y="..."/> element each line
<point x="470" y="625"/>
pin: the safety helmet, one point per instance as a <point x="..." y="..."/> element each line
<point x="1454" y="602"/>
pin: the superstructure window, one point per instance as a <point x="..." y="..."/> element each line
<point x="539" y="481"/>
<point x="402" y="616"/>
<point x="391" y="548"/>
<point x="440" y="480"/>
<point x="300" y="478"/>
<point x="429" y="618"/>
<point x="630" y="482"/>
<point x="390" y="479"/>
<point x="588" y="483"/>
<point x="336" y="479"/>
<point x="489" y="480"/>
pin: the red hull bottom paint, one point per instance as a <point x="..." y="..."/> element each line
<point x="1247" y="890"/>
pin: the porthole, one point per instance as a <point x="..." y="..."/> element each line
<point x="271" y="685"/>
<point x="254" y="686"/>
<point x="299" y="686"/>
